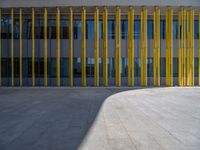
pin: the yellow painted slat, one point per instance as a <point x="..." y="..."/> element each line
<point x="0" y="52"/>
<point x="180" y="47"/>
<point x="58" y="47"/>
<point x="169" y="47"/>
<point x="199" y="49"/>
<point x="143" y="47"/>
<point x="131" y="47"/>
<point x="33" y="47"/>
<point x="184" y="46"/>
<point x="96" y="47"/>
<point x="156" y="45"/>
<point x="83" y="61"/>
<point x="105" y="46"/>
<point x="190" y="47"/>
<point x="118" y="48"/>
<point x="71" y="47"/>
<point x="12" y="46"/>
<point x="20" y="47"/>
<point x="45" y="48"/>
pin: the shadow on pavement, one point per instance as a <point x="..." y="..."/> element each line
<point x="49" y="118"/>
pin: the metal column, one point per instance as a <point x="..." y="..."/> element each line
<point x="169" y="47"/>
<point x="105" y="46"/>
<point x="83" y="61"/>
<point x="33" y="47"/>
<point x="58" y="47"/>
<point x="45" y="48"/>
<point x="143" y="47"/>
<point x="12" y="46"/>
<point x="180" y="49"/>
<point x="131" y="47"/>
<point x="199" y="49"/>
<point x="71" y="47"/>
<point x="20" y="47"/>
<point x="118" y="48"/>
<point x="156" y="47"/>
<point x="181" y="46"/>
<point x="96" y="47"/>
<point x="190" y="47"/>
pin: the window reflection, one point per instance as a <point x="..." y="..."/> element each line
<point x="137" y="29"/>
<point x="111" y="29"/>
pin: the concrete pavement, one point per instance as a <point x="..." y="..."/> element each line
<point x="99" y="118"/>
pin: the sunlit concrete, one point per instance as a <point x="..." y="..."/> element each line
<point x="148" y="119"/>
<point x="99" y="118"/>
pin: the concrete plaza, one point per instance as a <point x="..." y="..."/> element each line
<point x="100" y="118"/>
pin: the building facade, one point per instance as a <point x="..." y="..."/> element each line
<point x="99" y="43"/>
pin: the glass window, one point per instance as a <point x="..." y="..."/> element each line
<point x="150" y="29"/>
<point x="52" y="28"/>
<point x="111" y="29"/>
<point x="16" y="28"/>
<point x="175" y="67"/>
<point x="111" y="67"/>
<point x="196" y="67"/>
<point x="89" y="29"/>
<point x="41" y="29"/>
<point x="150" y="67"/>
<point x="37" y="27"/>
<point x="24" y="28"/>
<point x="64" y="65"/>
<point x="162" y="29"/>
<point x="4" y="27"/>
<point x="77" y="29"/>
<point x="16" y="65"/>
<point x="29" y="67"/>
<point x="137" y="67"/>
<point x="196" y="29"/>
<point x="77" y="67"/>
<point x="137" y="29"/>
<point x="124" y="67"/>
<point x="162" y="67"/>
<point x="175" y="29"/>
<point x="64" y="29"/>
<point x="124" y="29"/>
<point x="5" y="67"/>
<point x="100" y="29"/>
<point x="90" y="67"/>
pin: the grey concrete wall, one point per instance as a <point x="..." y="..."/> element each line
<point x="52" y="3"/>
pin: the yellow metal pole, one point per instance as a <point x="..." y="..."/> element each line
<point x="105" y="46"/>
<point x="96" y="47"/>
<point x="184" y="46"/>
<point x="20" y="47"/>
<point x="169" y="47"/>
<point x="83" y="47"/>
<point x="199" y="49"/>
<point x="0" y="52"/>
<point x="156" y="43"/>
<point x="33" y="47"/>
<point x="188" y="49"/>
<point x="192" y="46"/>
<point x="12" y="46"/>
<point x="45" y="48"/>
<point x="143" y="47"/>
<point x="118" y="48"/>
<point x="58" y="47"/>
<point x="180" y="47"/>
<point x="71" y="47"/>
<point x="131" y="47"/>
